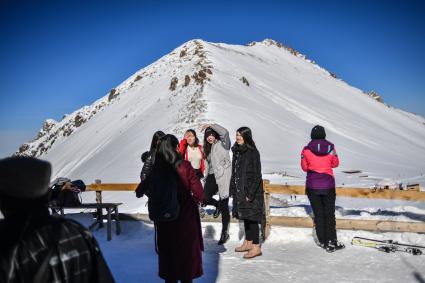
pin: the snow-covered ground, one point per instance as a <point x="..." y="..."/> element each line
<point x="289" y="255"/>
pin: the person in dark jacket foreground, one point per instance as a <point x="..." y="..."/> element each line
<point x="317" y="159"/>
<point x="246" y="187"/>
<point x="34" y="246"/>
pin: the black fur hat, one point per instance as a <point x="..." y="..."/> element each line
<point x="318" y="133"/>
<point x="24" y="177"/>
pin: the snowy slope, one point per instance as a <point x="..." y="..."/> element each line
<point x="272" y="89"/>
<point x="289" y="255"/>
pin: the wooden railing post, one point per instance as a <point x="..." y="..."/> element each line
<point x="267" y="209"/>
<point x="99" y="201"/>
<point x="98" y="193"/>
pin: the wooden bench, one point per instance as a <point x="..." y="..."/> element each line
<point x="109" y="207"/>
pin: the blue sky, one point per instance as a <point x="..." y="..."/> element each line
<point x="57" y="56"/>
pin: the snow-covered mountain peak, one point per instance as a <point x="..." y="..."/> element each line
<point x="266" y="85"/>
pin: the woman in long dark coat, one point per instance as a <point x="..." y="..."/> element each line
<point x="247" y="190"/>
<point x="179" y="242"/>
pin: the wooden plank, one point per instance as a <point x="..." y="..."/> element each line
<point x="307" y="222"/>
<point x="291" y="221"/>
<point x="296" y="190"/>
<point x="112" y="187"/>
<point x="353" y="224"/>
<point x="351" y="192"/>
<point x="145" y="217"/>
<point x="284" y="189"/>
<point x="381" y="194"/>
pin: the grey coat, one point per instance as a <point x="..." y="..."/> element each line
<point x="220" y="161"/>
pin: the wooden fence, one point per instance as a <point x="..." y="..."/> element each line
<point x="350" y="224"/>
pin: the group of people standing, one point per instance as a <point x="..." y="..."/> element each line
<point x="180" y="242"/>
<point x="37" y="245"/>
<point x="239" y="178"/>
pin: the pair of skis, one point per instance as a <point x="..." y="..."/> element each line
<point x="388" y="246"/>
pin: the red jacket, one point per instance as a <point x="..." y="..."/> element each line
<point x="319" y="164"/>
<point x="318" y="159"/>
<point x="183" y="151"/>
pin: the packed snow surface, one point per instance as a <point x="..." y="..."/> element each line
<point x="289" y="255"/>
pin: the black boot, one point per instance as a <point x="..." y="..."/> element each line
<point x="336" y="244"/>
<point x="217" y="211"/>
<point x="329" y="248"/>
<point x="224" y="237"/>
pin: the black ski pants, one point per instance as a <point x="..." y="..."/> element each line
<point x="252" y="231"/>
<point x="323" y="206"/>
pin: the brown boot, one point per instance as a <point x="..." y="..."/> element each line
<point x="253" y="252"/>
<point x="246" y="246"/>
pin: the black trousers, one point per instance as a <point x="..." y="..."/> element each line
<point x="210" y="189"/>
<point x="252" y="231"/>
<point x="323" y="206"/>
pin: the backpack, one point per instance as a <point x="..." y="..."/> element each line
<point x="163" y="204"/>
<point x="56" y="186"/>
<point x="69" y="196"/>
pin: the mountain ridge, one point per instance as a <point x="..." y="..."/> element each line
<point x="265" y="85"/>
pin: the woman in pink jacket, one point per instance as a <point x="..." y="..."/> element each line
<point x="317" y="159"/>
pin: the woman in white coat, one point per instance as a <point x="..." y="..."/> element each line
<point x="218" y="172"/>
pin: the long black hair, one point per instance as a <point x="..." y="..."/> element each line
<point x="164" y="168"/>
<point x="207" y="146"/>
<point x="166" y="150"/>
<point x="196" y="138"/>
<point x="247" y="137"/>
<point x="155" y="138"/>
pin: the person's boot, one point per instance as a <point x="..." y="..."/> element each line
<point x="224" y="237"/>
<point x="329" y="248"/>
<point x="217" y="211"/>
<point x="246" y="246"/>
<point x="336" y="245"/>
<point x="253" y="252"/>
